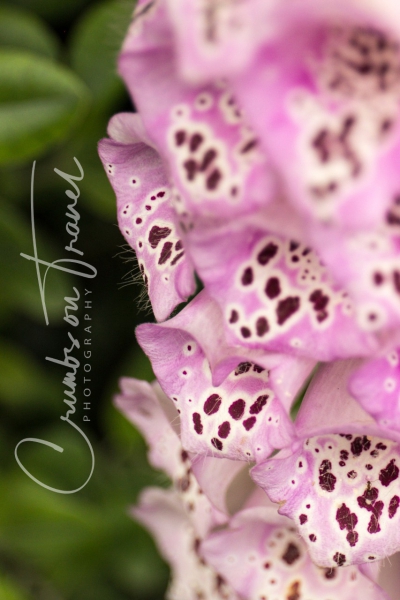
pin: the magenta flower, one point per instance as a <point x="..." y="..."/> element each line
<point x="340" y="482"/>
<point x="245" y="417"/>
<point x="264" y="160"/>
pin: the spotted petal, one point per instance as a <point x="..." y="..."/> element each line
<point x="212" y="154"/>
<point x="341" y="484"/>
<point x="376" y="386"/>
<point x="261" y="556"/>
<point x="367" y="265"/>
<point x="145" y="215"/>
<point x="161" y="511"/>
<point x="156" y="417"/>
<point x="242" y="418"/>
<point x="275" y="292"/>
<point x="323" y="95"/>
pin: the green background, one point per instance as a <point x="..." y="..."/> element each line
<point x="58" y="89"/>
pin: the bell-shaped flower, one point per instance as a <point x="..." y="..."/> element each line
<point x="145" y="215"/>
<point x="340" y="482"/>
<point x="244" y="414"/>
<point x="213" y="156"/>
<point x="275" y="292"/>
<point x="261" y="556"/>
<point x="323" y="92"/>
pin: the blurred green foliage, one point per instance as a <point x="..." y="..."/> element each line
<point x="58" y="88"/>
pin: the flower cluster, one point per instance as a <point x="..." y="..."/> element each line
<point x="263" y="161"/>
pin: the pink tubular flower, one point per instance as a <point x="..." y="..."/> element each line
<point x="257" y="555"/>
<point x="340" y="482"/>
<point x="245" y="417"/>
<point x="264" y="161"/>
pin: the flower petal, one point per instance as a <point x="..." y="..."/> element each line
<point x="343" y="492"/>
<point x="376" y="385"/>
<point x="261" y="558"/>
<point x="242" y="418"/>
<point x="161" y="511"/>
<point x="213" y="155"/>
<point x="146" y="218"/>
<point x="275" y="293"/>
<point x="326" y="111"/>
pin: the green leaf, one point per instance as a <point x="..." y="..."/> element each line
<point x="9" y="591"/>
<point x="95" y="44"/>
<point x="19" y="286"/>
<point x="40" y="103"/>
<point x="23" y="29"/>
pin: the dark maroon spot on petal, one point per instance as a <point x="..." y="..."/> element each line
<point x="180" y="137"/>
<point x="147" y="207"/>
<point x="234" y="318"/>
<point x="224" y="429"/>
<point x="138" y="220"/>
<point x="330" y="573"/>
<point x="273" y="287"/>
<point x="319" y="300"/>
<point x="245" y="331"/>
<point x="236" y="409"/>
<point x="184" y="455"/>
<point x="303" y="519"/>
<point x="342" y="463"/>
<point x="396" y="281"/>
<point x="368" y="467"/>
<point x="393" y="506"/>
<point x="312" y="537"/>
<point x="178" y="245"/>
<point x="352" y="538"/>
<point x="213" y="179"/>
<point x="247" y="277"/>
<point x="262" y="326"/>
<point x="345" y="518"/>
<point x="166" y="253"/>
<point x="195" y="141"/>
<point x="217" y="443"/>
<point x="359" y="445"/>
<point x="325" y="466"/>
<point x="294" y="591"/>
<point x="352" y="474"/>
<point x="381" y="446"/>
<point x="389" y="473"/>
<point x="198" y="427"/>
<point x="243" y="367"/>
<point x="249" y="146"/>
<point x="286" y="308"/>
<point x="258" y="369"/>
<point x="177" y="257"/>
<point x="207" y="159"/>
<point x="293" y="246"/>
<point x="378" y="278"/>
<point x="308" y="505"/>
<point x="183" y="483"/>
<point x="267" y="565"/>
<point x="374" y="453"/>
<point x="212" y="404"/>
<point x="160" y="194"/>
<point x="258" y="404"/>
<point x="292" y="553"/>
<point x="339" y="559"/>
<point x="191" y="168"/>
<point x="267" y="253"/>
<point x="249" y="423"/>
<point x="327" y="482"/>
<point x="344" y="455"/>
